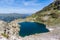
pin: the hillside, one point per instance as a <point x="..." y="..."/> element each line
<point x="32" y="27"/>
<point x="48" y="15"/>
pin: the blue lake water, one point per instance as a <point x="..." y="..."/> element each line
<point x="30" y="28"/>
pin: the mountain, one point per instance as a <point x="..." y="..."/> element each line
<point x="12" y="16"/>
<point x="48" y="15"/>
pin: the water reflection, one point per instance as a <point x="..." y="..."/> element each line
<point x="29" y="28"/>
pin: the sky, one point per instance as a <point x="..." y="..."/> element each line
<point x="23" y="6"/>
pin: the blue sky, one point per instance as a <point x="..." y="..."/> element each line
<point x="22" y="6"/>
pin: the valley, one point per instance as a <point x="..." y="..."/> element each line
<point x="42" y="25"/>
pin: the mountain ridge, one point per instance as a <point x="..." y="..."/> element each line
<point x="49" y="15"/>
<point x="12" y="16"/>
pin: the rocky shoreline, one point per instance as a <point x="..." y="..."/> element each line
<point x="9" y="31"/>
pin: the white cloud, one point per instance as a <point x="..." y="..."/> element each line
<point x="6" y="2"/>
<point x="20" y="6"/>
<point x="31" y="3"/>
<point x="26" y="4"/>
<point x="17" y="10"/>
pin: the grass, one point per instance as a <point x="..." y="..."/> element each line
<point x="5" y="35"/>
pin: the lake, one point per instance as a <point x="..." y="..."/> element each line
<point x="30" y="28"/>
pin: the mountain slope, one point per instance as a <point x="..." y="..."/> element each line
<point x="49" y="15"/>
<point x="12" y="16"/>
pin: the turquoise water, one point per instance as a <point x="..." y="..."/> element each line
<point x="30" y="28"/>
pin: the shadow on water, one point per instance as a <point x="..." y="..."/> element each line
<point x="29" y="28"/>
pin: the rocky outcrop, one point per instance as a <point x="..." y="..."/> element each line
<point x="7" y="30"/>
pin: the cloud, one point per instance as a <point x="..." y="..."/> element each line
<point x="17" y="10"/>
<point x="6" y="2"/>
<point x="22" y="6"/>
<point x="26" y="4"/>
<point x="36" y="2"/>
<point x="22" y="2"/>
<point x="31" y="3"/>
